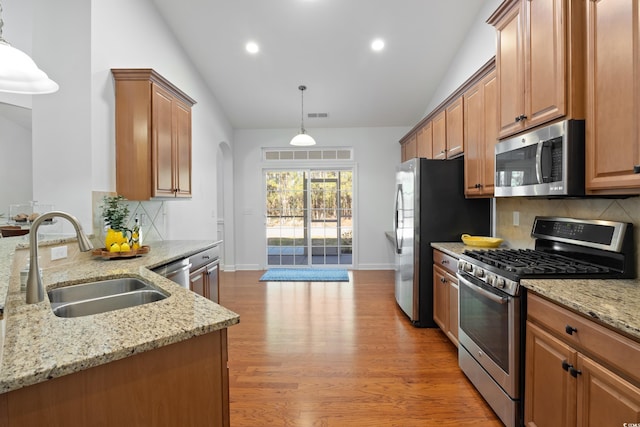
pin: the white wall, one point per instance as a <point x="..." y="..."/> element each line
<point x="477" y="48"/>
<point x="77" y="43"/>
<point x="376" y="153"/>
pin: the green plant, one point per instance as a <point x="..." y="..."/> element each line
<point x="114" y="212"/>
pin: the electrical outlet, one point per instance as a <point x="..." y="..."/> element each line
<point x="516" y="218"/>
<point x="58" y="253"/>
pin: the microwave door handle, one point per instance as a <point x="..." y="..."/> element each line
<point x="489" y="295"/>
<point x="539" y="162"/>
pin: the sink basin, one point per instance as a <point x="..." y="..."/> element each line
<point x="102" y="296"/>
<point x="97" y="289"/>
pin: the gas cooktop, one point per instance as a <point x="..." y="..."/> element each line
<point x="564" y="248"/>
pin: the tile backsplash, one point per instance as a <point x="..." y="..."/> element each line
<point x="623" y="210"/>
<point x="151" y="215"/>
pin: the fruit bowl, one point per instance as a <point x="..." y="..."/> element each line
<point x="481" y="241"/>
<point x="106" y="254"/>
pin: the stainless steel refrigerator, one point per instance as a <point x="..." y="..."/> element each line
<point x="430" y="207"/>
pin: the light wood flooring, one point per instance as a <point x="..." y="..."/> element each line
<point x="339" y="354"/>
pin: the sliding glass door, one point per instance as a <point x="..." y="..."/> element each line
<point x="309" y="217"/>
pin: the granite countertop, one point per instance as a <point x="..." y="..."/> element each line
<point x="614" y="303"/>
<point x="38" y="346"/>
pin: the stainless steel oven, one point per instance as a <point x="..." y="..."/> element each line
<point x="489" y="332"/>
<point x="492" y="306"/>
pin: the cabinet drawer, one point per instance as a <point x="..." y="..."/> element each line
<point x="445" y="261"/>
<point x="602" y="344"/>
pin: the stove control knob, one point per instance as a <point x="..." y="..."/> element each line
<point x="478" y="272"/>
<point x="468" y="267"/>
<point x="491" y="279"/>
<point x="500" y="283"/>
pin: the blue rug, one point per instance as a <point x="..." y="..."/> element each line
<point x="304" y="275"/>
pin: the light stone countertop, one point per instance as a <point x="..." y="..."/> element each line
<point x="614" y="303"/>
<point x="38" y="346"/>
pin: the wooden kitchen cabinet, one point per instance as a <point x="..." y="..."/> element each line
<point x="153" y="136"/>
<point x="424" y="137"/>
<point x="445" y="294"/>
<point x="439" y="139"/>
<point x="480" y="135"/>
<point x="455" y="128"/>
<point x="613" y="98"/>
<point x="577" y="373"/>
<point x="186" y="383"/>
<point x="540" y="62"/>
<point x="409" y="147"/>
<point x="205" y="281"/>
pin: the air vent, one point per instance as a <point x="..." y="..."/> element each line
<point x="313" y="154"/>
<point x="318" y="115"/>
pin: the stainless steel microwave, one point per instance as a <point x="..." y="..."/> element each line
<point x="546" y="162"/>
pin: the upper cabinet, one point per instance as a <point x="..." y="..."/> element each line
<point x="480" y="135"/>
<point x="153" y="136"/>
<point x="440" y="135"/>
<point x="455" y="128"/>
<point x="539" y="62"/>
<point x="613" y="97"/>
<point x="424" y="137"/>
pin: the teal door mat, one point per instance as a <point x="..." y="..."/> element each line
<point x="305" y="275"/>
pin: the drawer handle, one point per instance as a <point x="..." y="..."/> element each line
<point x="566" y="365"/>
<point x="574" y="372"/>
<point x="443" y="280"/>
<point x="570" y="329"/>
<point x="444" y="261"/>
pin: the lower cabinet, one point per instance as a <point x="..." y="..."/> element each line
<point x="181" y="384"/>
<point x="578" y="373"/>
<point x="445" y="294"/>
<point x="204" y="278"/>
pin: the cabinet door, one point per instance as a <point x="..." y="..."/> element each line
<point x="490" y="85"/>
<point x="455" y="128"/>
<point x="510" y="70"/>
<point x="409" y="148"/>
<point x="425" y="141"/>
<point x="545" y="64"/>
<point x="439" y="129"/>
<point x="474" y="140"/>
<point x="197" y="281"/>
<point x="162" y="142"/>
<point x="605" y="399"/>
<point x="440" y="298"/>
<point x="182" y="114"/>
<point x="453" y="309"/>
<point x="550" y="391"/>
<point x="213" y="282"/>
<point x="613" y="97"/>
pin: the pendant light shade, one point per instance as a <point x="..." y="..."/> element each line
<point x="18" y="72"/>
<point x="302" y="139"/>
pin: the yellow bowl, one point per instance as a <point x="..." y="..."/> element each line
<point x="480" y="241"/>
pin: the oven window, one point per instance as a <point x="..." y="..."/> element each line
<point x="486" y="322"/>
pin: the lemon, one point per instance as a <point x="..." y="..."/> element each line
<point x="114" y="248"/>
<point x="125" y="247"/>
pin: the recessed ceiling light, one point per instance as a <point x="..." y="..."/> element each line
<point x="377" y="45"/>
<point x="252" y="47"/>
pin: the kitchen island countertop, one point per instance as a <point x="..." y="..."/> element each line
<point x="38" y="346"/>
<point x="614" y="303"/>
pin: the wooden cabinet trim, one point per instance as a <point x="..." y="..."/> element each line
<point x="148" y="74"/>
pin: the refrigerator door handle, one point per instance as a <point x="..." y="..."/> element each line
<point x="399" y="219"/>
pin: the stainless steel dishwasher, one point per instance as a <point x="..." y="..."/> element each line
<point x="177" y="271"/>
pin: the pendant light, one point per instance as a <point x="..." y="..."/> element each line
<point x="18" y="72"/>
<point x="302" y="139"/>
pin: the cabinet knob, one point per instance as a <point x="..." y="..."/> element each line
<point x="636" y="169"/>
<point x="566" y="365"/>
<point x="444" y="261"/>
<point x="520" y="118"/>
<point x="443" y="280"/>
<point x="574" y="372"/>
<point x="478" y="186"/>
<point x="570" y="329"/>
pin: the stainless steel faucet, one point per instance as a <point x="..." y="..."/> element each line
<point x="35" y="289"/>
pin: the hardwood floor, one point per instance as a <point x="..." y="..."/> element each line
<point x="339" y="354"/>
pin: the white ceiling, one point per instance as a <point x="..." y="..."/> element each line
<point x="323" y="44"/>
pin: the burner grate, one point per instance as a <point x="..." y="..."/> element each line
<point x="531" y="262"/>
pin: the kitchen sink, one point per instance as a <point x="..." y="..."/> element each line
<point x="102" y="296"/>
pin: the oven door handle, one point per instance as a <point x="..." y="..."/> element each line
<point x="490" y="295"/>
